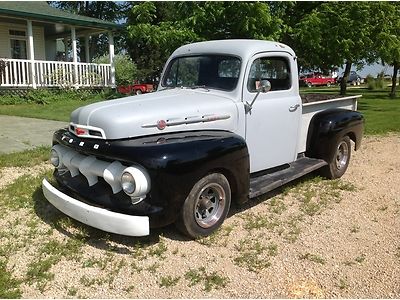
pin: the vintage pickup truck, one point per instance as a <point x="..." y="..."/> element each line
<point x="226" y="124"/>
<point x="316" y="79"/>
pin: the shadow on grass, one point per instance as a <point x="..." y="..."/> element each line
<point x="97" y="238"/>
<point x="268" y="196"/>
<point x="125" y="244"/>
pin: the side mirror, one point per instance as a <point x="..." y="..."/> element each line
<point x="262" y="86"/>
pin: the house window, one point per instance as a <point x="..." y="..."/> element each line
<point x="18" y="44"/>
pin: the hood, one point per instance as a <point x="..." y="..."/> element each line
<point x="159" y="112"/>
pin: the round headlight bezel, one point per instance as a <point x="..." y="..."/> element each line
<point x="128" y="183"/>
<point x="54" y="158"/>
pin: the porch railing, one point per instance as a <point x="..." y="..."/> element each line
<point x="17" y="73"/>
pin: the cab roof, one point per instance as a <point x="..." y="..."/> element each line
<point x="240" y="47"/>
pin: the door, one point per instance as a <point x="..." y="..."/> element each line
<point x="272" y="125"/>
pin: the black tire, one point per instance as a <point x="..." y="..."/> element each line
<point x="309" y="84"/>
<point x="328" y="84"/>
<point x="206" y="206"/>
<point x="138" y="92"/>
<point x="338" y="160"/>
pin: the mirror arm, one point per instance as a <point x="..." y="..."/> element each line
<point x="248" y="106"/>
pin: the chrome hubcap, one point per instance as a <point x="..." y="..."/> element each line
<point x="210" y="205"/>
<point x="342" y="155"/>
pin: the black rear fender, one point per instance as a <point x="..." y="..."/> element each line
<point x="328" y="126"/>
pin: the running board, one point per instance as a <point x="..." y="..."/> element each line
<point x="266" y="183"/>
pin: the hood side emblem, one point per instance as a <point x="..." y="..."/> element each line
<point x="162" y="124"/>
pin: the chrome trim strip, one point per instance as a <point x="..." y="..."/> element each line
<point x="190" y="120"/>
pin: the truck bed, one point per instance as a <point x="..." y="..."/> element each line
<point x="310" y="98"/>
<point x="314" y="103"/>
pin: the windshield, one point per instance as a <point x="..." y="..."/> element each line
<point x="209" y="71"/>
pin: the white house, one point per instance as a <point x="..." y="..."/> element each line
<point x="34" y="51"/>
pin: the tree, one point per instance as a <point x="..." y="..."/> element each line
<point x="387" y="41"/>
<point x="230" y="20"/>
<point x="154" y="32"/>
<point x="336" y="33"/>
<point x="104" y="10"/>
<point x="151" y="39"/>
<point x="125" y="69"/>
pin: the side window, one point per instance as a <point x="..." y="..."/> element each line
<point x="275" y="69"/>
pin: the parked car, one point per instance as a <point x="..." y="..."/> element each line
<point x="136" y="88"/>
<point x="354" y="78"/>
<point x="226" y="124"/>
<point x="316" y="79"/>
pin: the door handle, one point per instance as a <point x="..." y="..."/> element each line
<point x="294" y="107"/>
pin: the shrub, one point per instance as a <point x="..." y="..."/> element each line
<point x="125" y="68"/>
<point x="375" y="83"/>
<point x="47" y="96"/>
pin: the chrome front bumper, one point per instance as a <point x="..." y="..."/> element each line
<point x="96" y="217"/>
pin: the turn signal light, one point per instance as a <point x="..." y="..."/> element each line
<point x="80" y="131"/>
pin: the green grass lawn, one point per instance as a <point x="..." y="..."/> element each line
<point x="382" y="114"/>
<point x="51" y="104"/>
<point x="59" y="111"/>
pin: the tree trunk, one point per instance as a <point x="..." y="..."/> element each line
<point x="396" y="66"/>
<point x="343" y="83"/>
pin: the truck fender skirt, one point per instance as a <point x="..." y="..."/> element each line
<point x="174" y="162"/>
<point x="328" y="126"/>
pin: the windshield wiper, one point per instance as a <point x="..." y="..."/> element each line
<point x="200" y="87"/>
<point x="167" y="88"/>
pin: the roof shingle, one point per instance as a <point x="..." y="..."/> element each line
<point x="40" y="10"/>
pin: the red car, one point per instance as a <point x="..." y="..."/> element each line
<point x="316" y="79"/>
<point x="136" y="88"/>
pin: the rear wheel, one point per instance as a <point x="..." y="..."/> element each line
<point x="309" y="84"/>
<point x="339" y="159"/>
<point x="328" y="84"/>
<point x="206" y="206"/>
<point x="138" y="92"/>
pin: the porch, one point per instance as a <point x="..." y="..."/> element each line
<point x="24" y="73"/>
<point x="42" y="46"/>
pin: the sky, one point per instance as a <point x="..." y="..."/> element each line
<point x="373" y="70"/>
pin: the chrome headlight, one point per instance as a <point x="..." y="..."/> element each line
<point x="128" y="183"/>
<point x="54" y="158"/>
<point x="135" y="182"/>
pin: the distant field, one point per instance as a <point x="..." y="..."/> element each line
<point x="382" y="114"/>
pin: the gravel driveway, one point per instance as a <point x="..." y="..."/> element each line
<point x="314" y="239"/>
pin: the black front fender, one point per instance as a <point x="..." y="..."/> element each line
<point x="175" y="162"/>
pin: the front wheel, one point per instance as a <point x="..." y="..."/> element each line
<point x="206" y="206"/>
<point x="309" y="84"/>
<point x="338" y="160"/>
<point x="138" y="92"/>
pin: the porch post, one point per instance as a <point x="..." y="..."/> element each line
<point x="31" y="54"/>
<point x="87" y="50"/>
<point x="112" y="70"/>
<point x="74" y="56"/>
